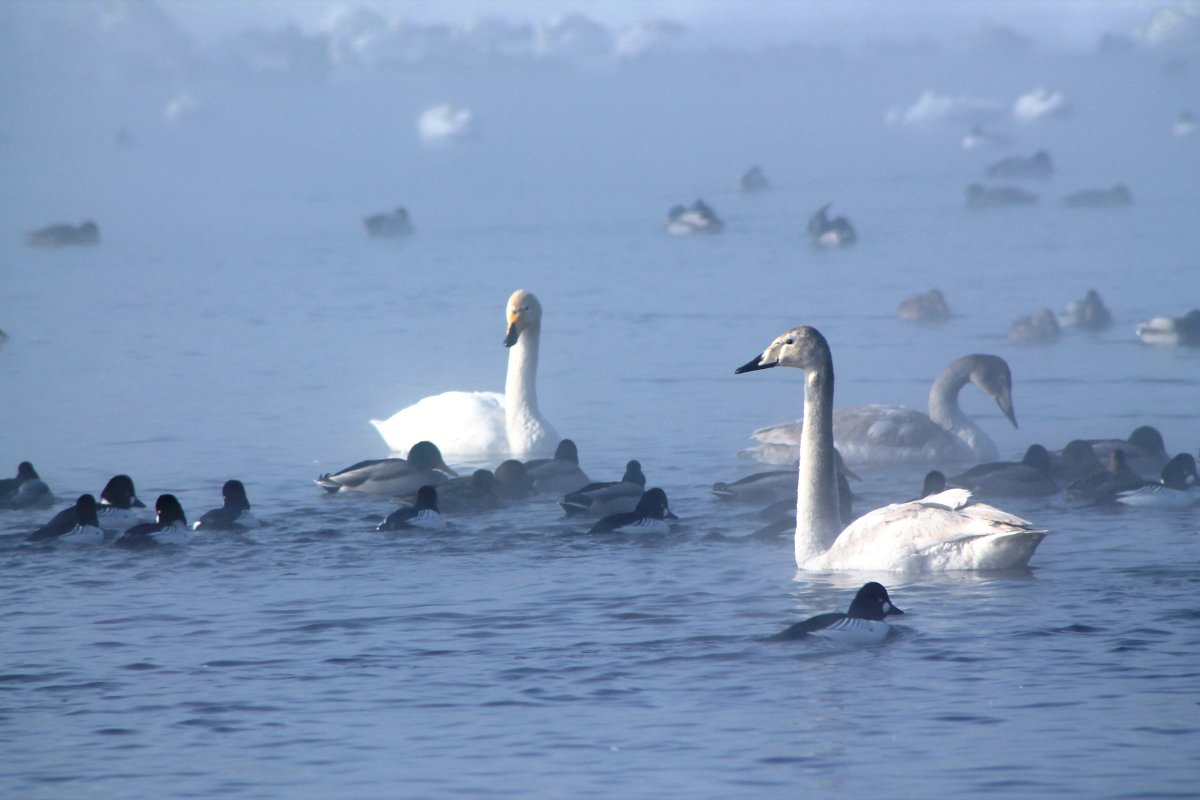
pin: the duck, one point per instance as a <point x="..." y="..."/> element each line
<point x="64" y="234"/>
<point x="1029" y="477"/>
<point x="1144" y="450"/>
<point x="1039" y="165"/>
<point x="649" y="516"/>
<point x="925" y="307"/>
<point x="1185" y="124"/>
<point x="1103" y="485"/>
<point x="1176" y="489"/>
<point x="878" y="434"/>
<point x="26" y="490"/>
<point x="422" y="514"/>
<point x="513" y="481"/>
<point x="74" y="525"/>
<point x="998" y="196"/>
<point x="945" y="531"/>
<point x="862" y="624"/>
<point x="1040" y="327"/>
<point x="934" y="483"/>
<point x="170" y="527"/>
<point x="390" y="477"/>
<point x="775" y="485"/>
<point x="388" y="225"/>
<point x="1077" y="460"/>
<point x="753" y="180"/>
<point x="1114" y="197"/>
<point x="607" y="497"/>
<point x="558" y="475"/>
<point x="234" y="515"/>
<point x="1088" y="314"/>
<point x="119" y="505"/>
<point x="1171" y="331"/>
<point x="698" y="218"/>
<point x="473" y="424"/>
<point x="826" y="233"/>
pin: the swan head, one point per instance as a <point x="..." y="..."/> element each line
<point x="872" y="602"/>
<point x="992" y="375"/>
<point x="802" y="347"/>
<point x="524" y="313"/>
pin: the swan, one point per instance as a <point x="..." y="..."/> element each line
<point x="946" y="531"/>
<point x="878" y="434"/>
<point x="485" y="423"/>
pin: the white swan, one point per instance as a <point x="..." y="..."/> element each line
<point x="878" y="434"/>
<point x="485" y="423"/>
<point x="946" y="531"/>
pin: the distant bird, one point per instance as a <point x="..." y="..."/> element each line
<point x="1040" y="327"/>
<point x="925" y="307"/>
<point x="650" y="516"/>
<point x="389" y="225"/>
<point x="423" y="514"/>
<point x="560" y="474"/>
<point x="26" y="490"/>
<point x="170" y="528"/>
<point x="607" y="497"/>
<point x="234" y="515"/>
<point x="753" y="180"/>
<point x="1171" y="331"/>
<point x="862" y="624"/>
<point x="1039" y="165"/>
<point x="998" y="196"/>
<point x="935" y="483"/>
<point x="74" y="525"/>
<point x="1185" y="124"/>
<point x="119" y="505"/>
<point x="1118" y="195"/>
<point x="391" y="477"/>
<point x="1088" y="314"/>
<point x="826" y="233"/>
<point x="977" y="137"/>
<point x="64" y="234"/>
<point x="1176" y="489"/>
<point x="698" y="218"/>
<point x="1029" y="477"/>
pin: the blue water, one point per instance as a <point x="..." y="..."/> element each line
<point x="235" y="322"/>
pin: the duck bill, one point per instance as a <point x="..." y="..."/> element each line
<point x="669" y="515"/>
<point x="891" y="609"/>
<point x="513" y="334"/>
<point x="136" y="503"/>
<point x="754" y="365"/>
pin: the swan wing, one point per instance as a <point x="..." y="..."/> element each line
<point x="459" y="423"/>
<point x="891" y="434"/>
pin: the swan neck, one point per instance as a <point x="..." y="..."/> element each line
<point x="520" y="386"/>
<point x="817" y="520"/>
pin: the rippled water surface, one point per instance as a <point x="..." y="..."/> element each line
<point x="235" y="323"/>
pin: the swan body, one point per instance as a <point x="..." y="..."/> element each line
<point x="945" y="531"/>
<point x="862" y="624"/>
<point x="472" y="424"/>
<point x="877" y="434"/>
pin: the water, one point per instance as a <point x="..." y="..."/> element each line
<point x="235" y="322"/>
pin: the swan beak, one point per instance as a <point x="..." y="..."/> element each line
<point x="1005" y="403"/>
<point x="513" y="332"/>
<point x="756" y="363"/>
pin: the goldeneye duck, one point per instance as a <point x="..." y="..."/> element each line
<point x="699" y="218"/>
<point x="862" y="624"/>
<point x="1177" y="489"/>
<point x="26" y="490"/>
<point x="119" y="504"/>
<point x="650" y="516"/>
<point x="74" y="525"/>
<point x="1171" y="331"/>
<point x="233" y="516"/>
<point x="829" y="233"/>
<point x="1103" y="485"/>
<point x="171" y="527"/>
<point x="753" y="180"/>
<point x="1088" y="314"/>
<point x="423" y="514"/>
